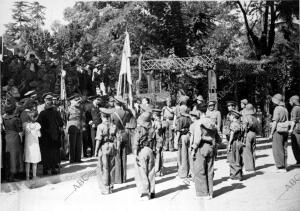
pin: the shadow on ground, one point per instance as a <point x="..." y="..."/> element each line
<point x="171" y="190"/>
<point x="227" y="189"/>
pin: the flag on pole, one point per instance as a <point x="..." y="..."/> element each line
<point x="125" y="72"/>
<point x="1" y="48"/>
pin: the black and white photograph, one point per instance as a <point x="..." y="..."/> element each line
<point x="150" y="105"/>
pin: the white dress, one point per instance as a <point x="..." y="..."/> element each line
<point x="32" y="147"/>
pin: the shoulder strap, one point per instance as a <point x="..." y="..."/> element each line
<point x="121" y="121"/>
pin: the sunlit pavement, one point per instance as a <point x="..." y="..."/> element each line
<point x="262" y="190"/>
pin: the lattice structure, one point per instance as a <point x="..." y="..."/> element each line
<point x="177" y="63"/>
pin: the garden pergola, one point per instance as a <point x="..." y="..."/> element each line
<point x="185" y="64"/>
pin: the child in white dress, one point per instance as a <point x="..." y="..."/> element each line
<point x="32" y="147"/>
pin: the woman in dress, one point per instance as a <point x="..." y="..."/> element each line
<point x="32" y="147"/>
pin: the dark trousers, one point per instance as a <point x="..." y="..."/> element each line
<point x="85" y="142"/>
<point x="249" y="151"/>
<point x="75" y="139"/>
<point x="236" y="161"/>
<point x="183" y="156"/>
<point x="204" y="170"/>
<point x="295" y="138"/>
<point x="93" y="136"/>
<point x="279" y="148"/>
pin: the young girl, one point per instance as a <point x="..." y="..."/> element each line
<point x="32" y="147"/>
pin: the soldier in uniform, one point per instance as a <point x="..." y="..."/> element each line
<point x="202" y="152"/>
<point x="231" y="105"/>
<point x="181" y="101"/>
<point x="194" y="117"/>
<point x="145" y="160"/>
<point x="167" y="123"/>
<point x="279" y="134"/>
<point x="235" y="146"/>
<point x="105" y="136"/>
<point x="96" y="120"/>
<point x="120" y="117"/>
<point x="182" y="128"/>
<point x="199" y="101"/>
<point x="295" y="127"/>
<point x="75" y="126"/>
<point x="158" y="141"/>
<point x="250" y="127"/>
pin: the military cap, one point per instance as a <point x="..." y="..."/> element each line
<point x="244" y="101"/>
<point x="231" y="102"/>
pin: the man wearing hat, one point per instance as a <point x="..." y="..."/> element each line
<point x="195" y="115"/>
<point x="244" y="102"/>
<point x="50" y="140"/>
<point x="120" y="117"/>
<point x="145" y="160"/>
<point x="213" y="114"/>
<point x="182" y="128"/>
<point x="168" y="118"/>
<point x="235" y="146"/>
<point x="202" y="153"/>
<point x="181" y="101"/>
<point x="199" y="101"/>
<point x="295" y="127"/>
<point x="231" y="105"/>
<point x="96" y="120"/>
<point x="279" y="133"/>
<point x="105" y="137"/>
<point x="250" y="127"/>
<point x="75" y="126"/>
<point x="158" y="141"/>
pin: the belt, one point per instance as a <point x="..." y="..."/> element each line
<point x="207" y="142"/>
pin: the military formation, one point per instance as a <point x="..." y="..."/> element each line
<point x="116" y="130"/>
<point x="195" y="133"/>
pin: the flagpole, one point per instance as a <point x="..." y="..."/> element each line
<point x="1" y="110"/>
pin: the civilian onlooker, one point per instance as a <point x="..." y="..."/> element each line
<point x="32" y="148"/>
<point x="13" y="130"/>
<point x="11" y="90"/>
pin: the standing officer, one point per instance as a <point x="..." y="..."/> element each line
<point x="145" y="160"/>
<point x="231" y="105"/>
<point x="75" y="125"/>
<point x="182" y="129"/>
<point x="295" y="127"/>
<point x="235" y="146"/>
<point x="168" y="118"/>
<point x="250" y="127"/>
<point x="120" y="117"/>
<point x="279" y="133"/>
<point x="96" y="120"/>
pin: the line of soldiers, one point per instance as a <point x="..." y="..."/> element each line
<point x="197" y="135"/>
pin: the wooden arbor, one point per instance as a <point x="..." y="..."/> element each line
<point x="184" y="64"/>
